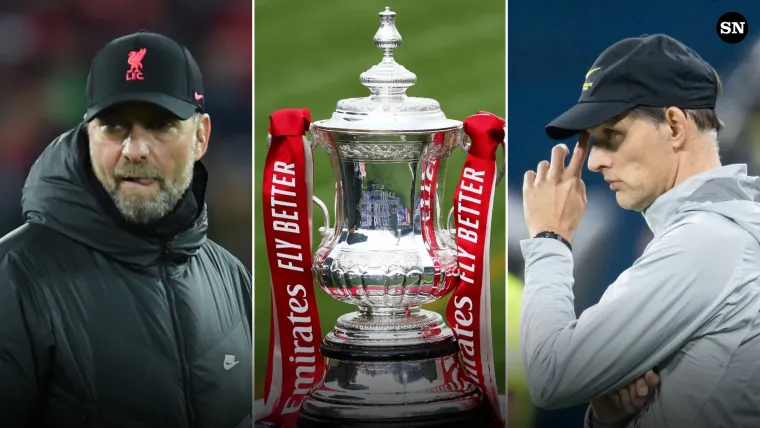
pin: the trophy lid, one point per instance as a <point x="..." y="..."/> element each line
<point x="388" y="108"/>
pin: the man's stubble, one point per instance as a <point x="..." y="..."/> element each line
<point x="169" y="195"/>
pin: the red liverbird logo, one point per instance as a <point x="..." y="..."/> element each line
<point x="135" y="65"/>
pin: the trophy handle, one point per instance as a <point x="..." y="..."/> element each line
<point x="452" y="230"/>
<point x="499" y="177"/>
<point x="500" y="172"/>
<point x="310" y="140"/>
<point x="325" y="230"/>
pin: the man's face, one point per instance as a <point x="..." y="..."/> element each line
<point x="635" y="156"/>
<point x="144" y="157"/>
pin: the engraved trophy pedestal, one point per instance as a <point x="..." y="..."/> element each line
<point x="391" y="363"/>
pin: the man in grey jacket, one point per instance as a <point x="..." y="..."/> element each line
<point x="689" y="307"/>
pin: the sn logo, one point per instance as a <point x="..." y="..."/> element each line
<point x="732" y="27"/>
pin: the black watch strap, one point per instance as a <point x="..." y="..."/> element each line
<point x="552" y="235"/>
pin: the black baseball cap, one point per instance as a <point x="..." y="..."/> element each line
<point x="145" y="67"/>
<point x="651" y="71"/>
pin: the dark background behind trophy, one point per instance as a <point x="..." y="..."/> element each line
<point x="551" y="46"/>
<point x="311" y="54"/>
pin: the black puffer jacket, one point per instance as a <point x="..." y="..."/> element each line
<point x="103" y="325"/>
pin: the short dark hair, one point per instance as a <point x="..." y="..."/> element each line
<point x="706" y="119"/>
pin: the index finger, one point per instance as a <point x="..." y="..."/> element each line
<point x="575" y="166"/>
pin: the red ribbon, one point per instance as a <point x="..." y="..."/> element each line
<point x="295" y="365"/>
<point x="469" y="310"/>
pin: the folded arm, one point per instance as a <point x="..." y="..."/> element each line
<point x="650" y="311"/>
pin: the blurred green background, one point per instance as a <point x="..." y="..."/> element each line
<point x="310" y="54"/>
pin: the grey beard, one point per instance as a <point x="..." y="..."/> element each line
<point x="150" y="211"/>
<point x="168" y="197"/>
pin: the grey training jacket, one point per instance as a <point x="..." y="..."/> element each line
<point x="688" y="305"/>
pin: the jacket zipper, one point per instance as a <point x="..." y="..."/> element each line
<point x="180" y="339"/>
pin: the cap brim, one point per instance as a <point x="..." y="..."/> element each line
<point x="180" y="108"/>
<point x="583" y="116"/>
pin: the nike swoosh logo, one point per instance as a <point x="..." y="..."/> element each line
<point x="198" y="96"/>
<point x="228" y="364"/>
<point x="591" y="71"/>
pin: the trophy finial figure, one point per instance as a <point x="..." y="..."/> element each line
<point x="388" y="77"/>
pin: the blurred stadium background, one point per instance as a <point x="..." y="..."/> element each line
<point x="310" y="54"/>
<point x="45" y="51"/>
<point x="551" y="45"/>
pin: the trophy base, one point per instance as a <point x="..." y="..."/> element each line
<point x="392" y="375"/>
<point x="477" y="417"/>
<point x="389" y="328"/>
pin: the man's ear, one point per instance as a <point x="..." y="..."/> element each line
<point x="677" y="122"/>
<point x="202" y="134"/>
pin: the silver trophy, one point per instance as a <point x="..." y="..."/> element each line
<point x="390" y="363"/>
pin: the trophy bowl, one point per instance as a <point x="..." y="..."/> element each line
<point x="378" y="257"/>
<point x="390" y="363"/>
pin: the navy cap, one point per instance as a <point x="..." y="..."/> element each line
<point x="145" y="67"/>
<point x="651" y="70"/>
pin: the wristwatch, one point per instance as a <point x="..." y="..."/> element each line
<point x="552" y="235"/>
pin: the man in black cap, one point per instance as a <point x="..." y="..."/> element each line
<point x="677" y="335"/>
<point x="115" y="307"/>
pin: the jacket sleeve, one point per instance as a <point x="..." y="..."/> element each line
<point x="20" y="378"/>
<point x="246" y="284"/>
<point x="648" y="313"/>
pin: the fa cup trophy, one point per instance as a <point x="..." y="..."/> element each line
<point x="391" y="251"/>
